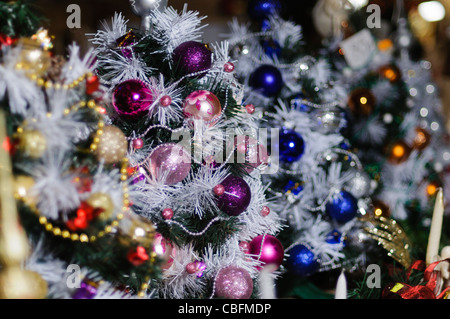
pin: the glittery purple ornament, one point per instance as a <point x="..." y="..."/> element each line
<point x="234" y="283"/>
<point x="236" y="197"/>
<point x="170" y="162"/>
<point x="86" y="291"/>
<point x="125" y="42"/>
<point x="132" y="99"/>
<point x="192" y="57"/>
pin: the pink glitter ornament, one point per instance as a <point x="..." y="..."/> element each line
<point x="170" y="162"/>
<point x="164" y="249"/>
<point x="234" y="283"/>
<point x="250" y="152"/>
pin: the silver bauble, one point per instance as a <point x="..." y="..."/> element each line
<point x="329" y="120"/>
<point x="359" y="185"/>
<point x="145" y="7"/>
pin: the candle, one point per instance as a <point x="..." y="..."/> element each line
<point x="341" y="287"/>
<point x="434" y="237"/>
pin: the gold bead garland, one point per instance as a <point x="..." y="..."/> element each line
<point x="84" y="238"/>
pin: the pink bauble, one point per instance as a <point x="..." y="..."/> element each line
<point x="234" y="283"/>
<point x="169" y="162"/>
<point x="138" y="143"/>
<point x="167" y="213"/>
<point x="265" y="211"/>
<point x="165" y="100"/>
<point x="202" y="105"/>
<point x="132" y="99"/>
<point x="251" y="152"/>
<point x="164" y="250"/>
<point x="267" y="249"/>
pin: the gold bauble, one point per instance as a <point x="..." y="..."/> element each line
<point x="139" y="230"/>
<point x="22" y="187"/>
<point x="422" y="139"/>
<point x="32" y="143"/>
<point x="102" y="201"/>
<point x="17" y="283"/>
<point x="112" y="145"/>
<point x="32" y="58"/>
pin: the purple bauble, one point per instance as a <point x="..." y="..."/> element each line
<point x="267" y="249"/>
<point x="236" y="197"/>
<point x="234" y="283"/>
<point x="169" y="162"/>
<point x="191" y="57"/>
<point x="132" y="99"/>
<point x="86" y="291"/>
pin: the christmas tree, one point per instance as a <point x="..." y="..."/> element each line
<point x="395" y="123"/>
<point x="195" y="152"/>
<point x="68" y="226"/>
<point x="318" y="184"/>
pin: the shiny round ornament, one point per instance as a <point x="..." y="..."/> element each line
<point x="103" y="203"/>
<point x="260" y="10"/>
<point x="87" y="290"/>
<point x="236" y="197"/>
<point x="112" y="145"/>
<point x="32" y="143"/>
<point x="234" y="283"/>
<point x="32" y="58"/>
<point x="131" y="99"/>
<point x="170" y="162"/>
<point x="335" y="237"/>
<point x="165" y="101"/>
<point x="291" y="146"/>
<point x="145" y="7"/>
<point x="139" y="230"/>
<point x="360" y="184"/>
<point x="138" y="256"/>
<point x="202" y="105"/>
<point x="302" y="261"/>
<point x="267" y="80"/>
<point x="228" y="67"/>
<point x="18" y="283"/>
<point x="23" y="189"/>
<point x="342" y="207"/>
<point x="167" y="213"/>
<point x="329" y="120"/>
<point x="192" y="57"/>
<point x="362" y="102"/>
<point x="267" y="249"/>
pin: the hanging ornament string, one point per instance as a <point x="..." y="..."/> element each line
<point x="196" y="234"/>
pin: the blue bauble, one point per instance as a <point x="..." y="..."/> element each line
<point x="335" y="237"/>
<point x="291" y="146"/>
<point x="302" y="261"/>
<point x="271" y="48"/>
<point x="267" y="80"/>
<point x="342" y="207"/>
<point x="261" y="9"/>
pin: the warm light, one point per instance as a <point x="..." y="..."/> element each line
<point x="363" y="100"/>
<point x="384" y="44"/>
<point x="431" y="11"/>
<point x="378" y="212"/>
<point x="398" y="151"/>
<point x="431" y="189"/>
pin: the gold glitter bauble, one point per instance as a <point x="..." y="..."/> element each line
<point x="112" y="145"/>
<point x="101" y="201"/>
<point x="32" y="58"/>
<point x="17" y="283"/>
<point x="22" y="187"/>
<point x="32" y="143"/>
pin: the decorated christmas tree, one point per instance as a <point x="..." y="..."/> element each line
<point x="395" y="123"/>
<point x="68" y="227"/>
<point x="195" y="152"/>
<point x="317" y="183"/>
